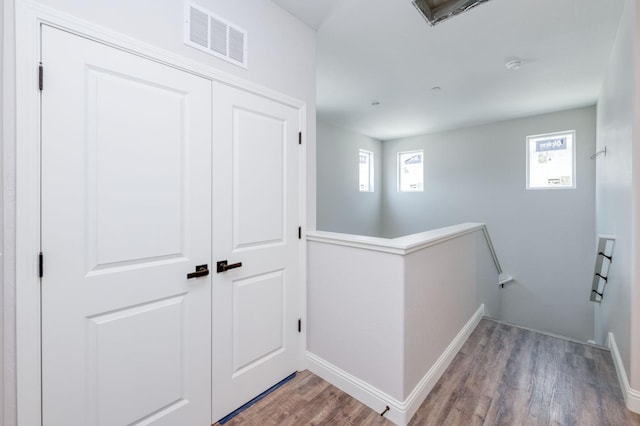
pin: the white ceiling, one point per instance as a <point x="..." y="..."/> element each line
<point x="311" y="12"/>
<point x="383" y="50"/>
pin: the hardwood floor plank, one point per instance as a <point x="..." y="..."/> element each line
<point x="502" y="375"/>
<point x="527" y="378"/>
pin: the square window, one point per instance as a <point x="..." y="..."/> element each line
<point x="410" y="171"/>
<point x="366" y="171"/>
<point x="551" y="161"/>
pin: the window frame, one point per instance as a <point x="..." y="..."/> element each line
<point x="399" y="168"/>
<point x="371" y="186"/>
<point x="531" y="138"/>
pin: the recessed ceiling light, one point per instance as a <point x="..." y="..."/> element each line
<point x="375" y="103"/>
<point x="514" y="64"/>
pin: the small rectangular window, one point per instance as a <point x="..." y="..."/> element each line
<point x="366" y="171"/>
<point x="410" y="171"/>
<point x="551" y="161"/>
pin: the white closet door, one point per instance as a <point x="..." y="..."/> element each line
<point x="126" y="215"/>
<point x="255" y="223"/>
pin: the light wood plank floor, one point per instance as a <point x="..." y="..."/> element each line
<point x="503" y="375"/>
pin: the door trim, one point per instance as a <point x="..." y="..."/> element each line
<point x="30" y="17"/>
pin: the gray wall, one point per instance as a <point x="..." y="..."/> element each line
<point x="614" y="190"/>
<point x="544" y="238"/>
<point x="341" y="207"/>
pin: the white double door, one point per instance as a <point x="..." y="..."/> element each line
<point x="149" y="173"/>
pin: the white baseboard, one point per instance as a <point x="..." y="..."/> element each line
<point x="358" y="389"/>
<point x="631" y="396"/>
<point x="400" y="412"/>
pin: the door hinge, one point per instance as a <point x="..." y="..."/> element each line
<point x="40" y="265"/>
<point x="299" y="232"/>
<point x="299" y="325"/>
<point x="40" y="76"/>
<point x="299" y="138"/>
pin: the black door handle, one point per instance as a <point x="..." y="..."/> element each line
<point x="201" y="271"/>
<point x="223" y="266"/>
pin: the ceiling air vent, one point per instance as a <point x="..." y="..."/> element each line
<point x="436" y="11"/>
<point x="214" y="35"/>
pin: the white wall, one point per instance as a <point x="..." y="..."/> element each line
<point x="341" y="207"/>
<point x="614" y="184"/>
<point x="444" y="285"/>
<point x="2" y="373"/>
<point x="356" y="313"/>
<point x="7" y="269"/>
<point x="383" y="313"/>
<point x="635" y="291"/>
<point x="281" y="48"/>
<point x="544" y="239"/>
<point x="281" y="58"/>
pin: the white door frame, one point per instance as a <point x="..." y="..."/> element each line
<point x="29" y="19"/>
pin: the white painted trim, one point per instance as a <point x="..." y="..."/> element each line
<point x="408" y="243"/>
<point x="400" y="412"/>
<point x="302" y="250"/>
<point x="401" y="245"/>
<point x="28" y="351"/>
<point x="29" y="18"/>
<point x="424" y="387"/>
<point x="358" y="389"/>
<point x="631" y="396"/>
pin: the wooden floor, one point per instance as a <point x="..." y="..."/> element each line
<point x="503" y="375"/>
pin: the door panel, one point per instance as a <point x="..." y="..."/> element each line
<point x="259" y="178"/>
<point x="257" y="297"/>
<point x="255" y="221"/>
<point x="119" y="345"/>
<point x="115" y="215"/>
<point x="126" y="214"/>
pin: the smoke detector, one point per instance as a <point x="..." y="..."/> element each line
<point x="436" y="11"/>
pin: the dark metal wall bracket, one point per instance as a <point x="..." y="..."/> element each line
<point x="604" y="278"/>
<point x="604" y="258"/>
<point x="609" y="258"/>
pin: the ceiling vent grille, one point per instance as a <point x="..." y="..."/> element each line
<point x="436" y="11"/>
<point x="214" y="35"/>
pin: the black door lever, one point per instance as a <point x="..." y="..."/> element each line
<point x="223" y="266"/>
<point x="201" y="271"/>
